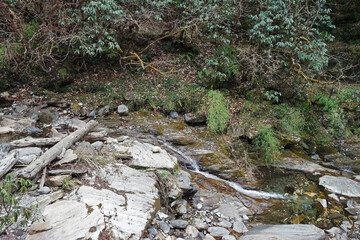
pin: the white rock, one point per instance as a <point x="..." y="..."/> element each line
<point x="69" y="157"/>
<point x="156" y="149"/>
<point x="143" y="156"/>
<point x="285" y="232"/>
<point x="5" y="130"/>
<point x="240" y="227"/>
<point x="334" y="196"/>
<point x="28" y="154"/>
<point x="341" y="185"/>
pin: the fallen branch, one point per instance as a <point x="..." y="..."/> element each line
<point x="34" y="142"/>
<point x="33" y="168"/>
<point x="7" y="163"/>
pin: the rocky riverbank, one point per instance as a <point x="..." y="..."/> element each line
<point x="146" y="176"/>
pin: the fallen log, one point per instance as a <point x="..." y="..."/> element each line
<point x="34" y="142"/>
<point x="33" y="168"/>
<point x="8" y="162"/>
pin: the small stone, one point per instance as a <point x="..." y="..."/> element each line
<point x="104" y="111"/>
<point x="209" y="237"/>
<point x="156" y="149"/>
<point x="178" y="223"/>
<point x="181" y="207"/>
<point x="323" y="203"/>
<point x="199" y="206"/>
<point x="240" y="227"/>
<point x="92" y="114"/>
<point x="123" y="110"/>
<point x="199" y="224"/>
<point x="164" y="227"/>
<point x="334" y="196"/>
<point x="5" y="130"/>
<point x="152" y="231"/>
<point x="162" y="215"/>
<point x="44" y="190"/>
<point x="245" y="217"/>
<point x="174" y="115"/>
<point x="57" y="181"/>
<point x="191" y="231"/>
<point x="218" y="231"/>
<point x="228" y="237"/>
<point x="97" y="145"/>
<point x="224" y="223"/>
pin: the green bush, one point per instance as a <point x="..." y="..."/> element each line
<point x="218" y="113"/>
<point x="269" y="144"/>
<point x="222" y="67"/>
<point x="10" y="210"/>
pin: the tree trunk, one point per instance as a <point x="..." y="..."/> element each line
<point x="7" y="163"/>
<point x="33" y="168"/>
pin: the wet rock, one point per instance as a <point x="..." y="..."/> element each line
<point x="240" y="227"/>
<point x="6" y="130"/>
<point x="123" y="110"/>
<point x="142" y="155"/>
<point x="293" y="162"/>
<point x="228" y="237"/>
<point x="104" y="111"/>
<point x="69" y="157"/>
<point x="291" y="232"/>
<point x="57" y="181"/>
<point x="199" y="224"/>
<point x="174" y="115"/>
<point x="341" y="185"/>
<point x="194" y="118"/>
<point x="61" y="226"/>
<point x="231" y="207"/>
<point x="178" y="223"/>
<point x="164" y="227"/>
<point x="221" y="165"/>
<point x="218" y="231"/>
<point x="48" y="115"/>
<point x="27" y="155"/>
<point x="191" y="231"/>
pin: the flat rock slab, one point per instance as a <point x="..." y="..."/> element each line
<point x="302" y="165"/>
<point x="125" y="199"/>
<point x="143" y="155"/>
<point x="284" y="232"/>
<point x="341" y="185"/>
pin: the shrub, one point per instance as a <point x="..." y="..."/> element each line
<point x="270" y="145"/>
<point x="293" y="32"/>
<point x="218" y="113"/>
<point x="10" y="210"/>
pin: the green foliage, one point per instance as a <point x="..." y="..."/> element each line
<point x="334" y="114"/>
<point x="30" y="29"/>
<point x="10" y="210"/>
<point x="94" y="23"/>
<point x="222" y="67"/>
<point x="218" y="113"/>
<point x="272" y="95"/>
<point x="292" y="120"/>
<point x="270" y="145"/>
<point x="287" y="29"/>
<point x="62" y="72"/>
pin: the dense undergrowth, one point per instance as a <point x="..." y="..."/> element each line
<point x="286" y="70"/>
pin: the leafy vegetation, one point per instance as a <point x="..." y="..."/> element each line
<point x="218" y="113"/>
<point x="10" y="210"/>
<point x="269" y="144"/>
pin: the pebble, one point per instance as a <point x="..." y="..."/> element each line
<point x="209" y="237"/>
<point x="199" y="224"/>
<point x="199" y="206"/>
<point x="240" y="227"/>
<point x="191" y="231"/>
<point x="44" y="190"/>
<point x="218" y="231"/>
<point x="162" y="215"/>
<point x="174" y="115"/>
<point x="156" y="149"/>
<point x="178" y="223"/>
<point x="164" y="227"/>
<point x="228" y="237"/>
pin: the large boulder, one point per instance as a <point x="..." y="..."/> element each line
<point x="341" y="185"/>
<point x="284" y="232"/>
<point x="144" y="155"/>
<point x="124" y="198"/>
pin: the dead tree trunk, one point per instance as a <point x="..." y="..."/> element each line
<point x="33" y="168"/>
